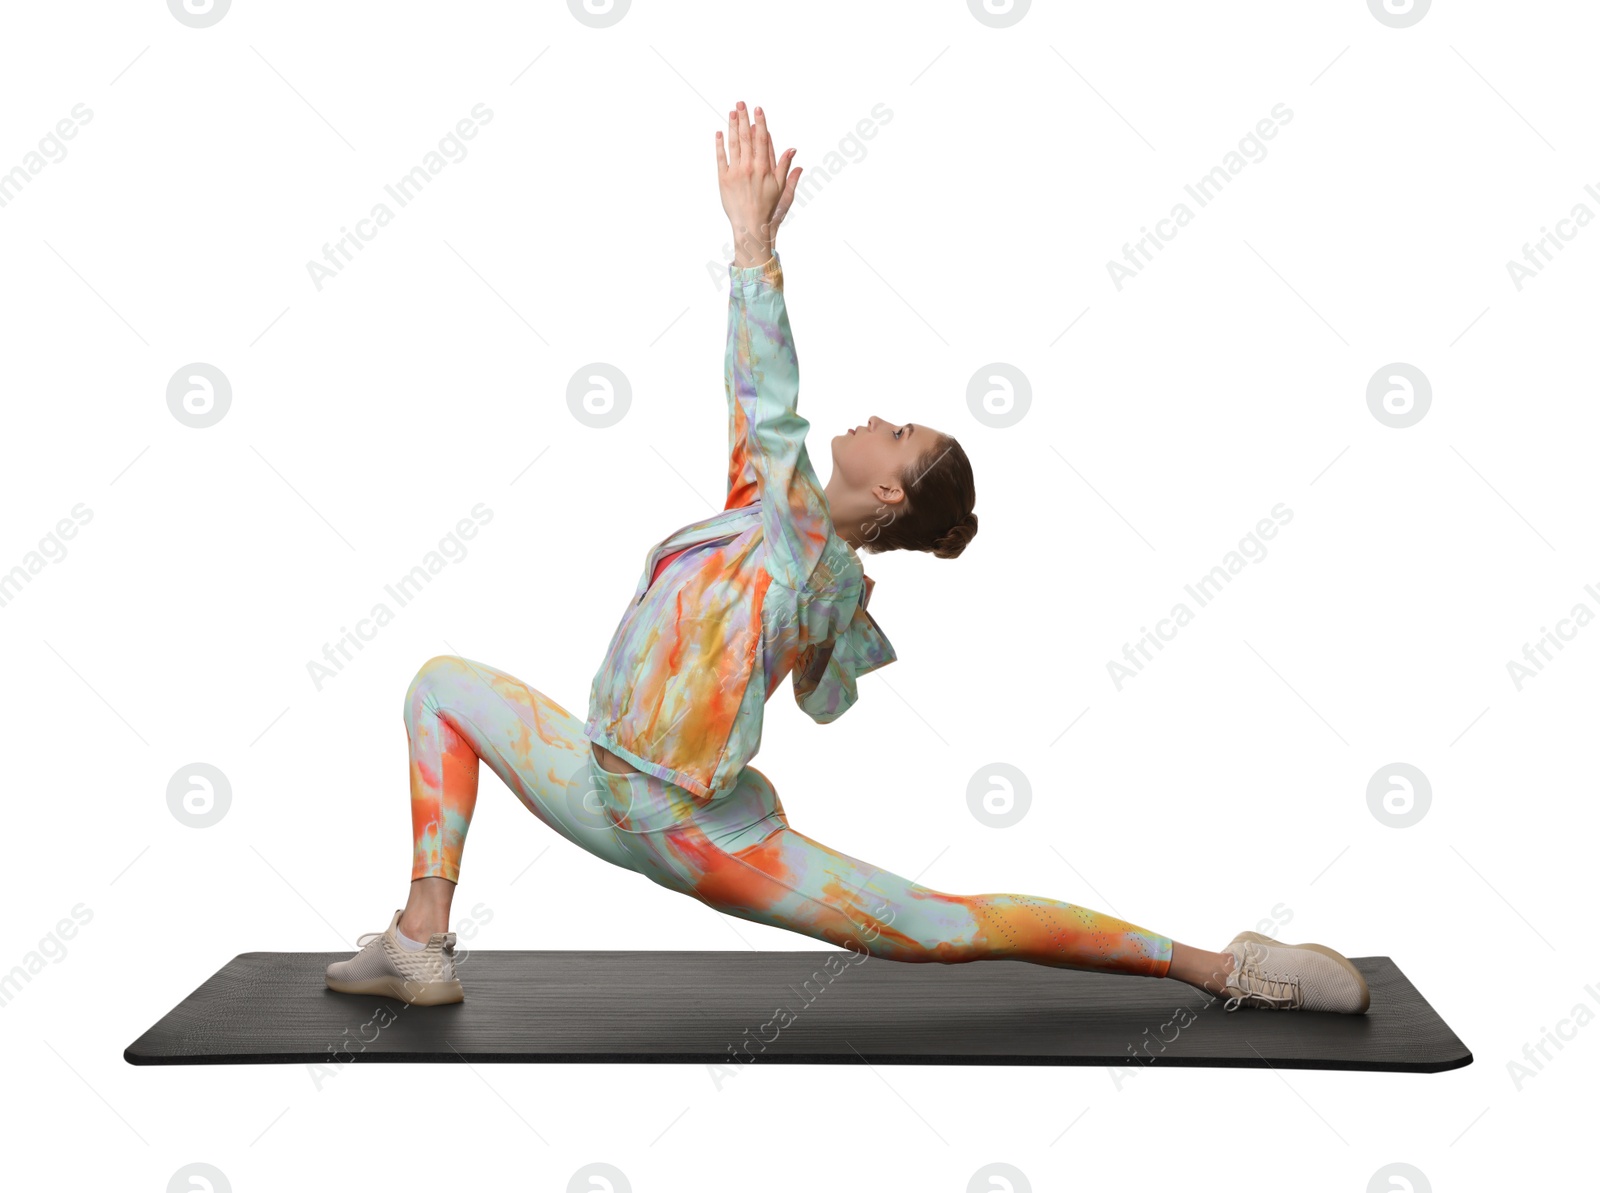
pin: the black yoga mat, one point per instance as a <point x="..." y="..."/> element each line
<point x="806" y="1007"/>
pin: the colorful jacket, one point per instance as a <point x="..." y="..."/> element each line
<point x="764" y="585"/>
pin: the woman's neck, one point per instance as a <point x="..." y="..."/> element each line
<point x="846" y="520"/>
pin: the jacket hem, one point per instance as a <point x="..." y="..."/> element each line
<point x="677" y="778"/>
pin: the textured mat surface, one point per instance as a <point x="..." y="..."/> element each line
<point x="781" y="1008"/>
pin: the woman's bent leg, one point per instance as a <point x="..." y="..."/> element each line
<point x="458" y="711"/>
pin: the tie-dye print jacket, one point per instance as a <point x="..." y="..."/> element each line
<point x="762" y="586"/>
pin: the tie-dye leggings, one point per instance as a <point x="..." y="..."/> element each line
<point x="735" y="853"/>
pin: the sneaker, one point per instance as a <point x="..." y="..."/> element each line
<point x="1297" y="977"/>
<point x="425" y="977"/>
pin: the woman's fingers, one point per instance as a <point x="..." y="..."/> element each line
<point x="748" y="143"/>
<point x="722" y="157"/>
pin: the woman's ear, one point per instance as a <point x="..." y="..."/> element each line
<point x="889" y="494"/>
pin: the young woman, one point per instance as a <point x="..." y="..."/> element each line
<point x="658" y="780"/>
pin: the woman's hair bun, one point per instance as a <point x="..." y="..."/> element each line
<point x="954" y="541"/>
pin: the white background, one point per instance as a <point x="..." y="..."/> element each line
<point x="368" y="417"/>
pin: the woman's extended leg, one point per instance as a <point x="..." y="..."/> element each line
<point x="793" y="881"/>
<point x="458" y="712"/>
<point x="737" y="853"/>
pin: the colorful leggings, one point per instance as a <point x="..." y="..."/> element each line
<point x="735" y="853"/>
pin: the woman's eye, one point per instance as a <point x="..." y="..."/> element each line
<point x="897" y="432"/>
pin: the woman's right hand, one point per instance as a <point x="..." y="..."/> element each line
<point x="755" y="192"/>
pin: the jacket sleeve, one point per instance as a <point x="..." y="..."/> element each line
<point x="767" y="459"/>
<point x="824" y="676"/>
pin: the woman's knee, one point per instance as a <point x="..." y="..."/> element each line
<point x="431" y="674"/>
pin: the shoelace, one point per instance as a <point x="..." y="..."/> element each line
<point x="1258" y="990"/>
<point x="367" y="938"/>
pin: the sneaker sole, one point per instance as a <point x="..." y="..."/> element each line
<point x="417" y="994"/>
<point x="1331" y="954"/>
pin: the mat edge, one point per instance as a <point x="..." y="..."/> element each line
<point x="675" y="1058"/>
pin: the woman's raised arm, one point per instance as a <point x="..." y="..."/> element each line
<point x="767" y="458"/>
<point x="755" y="203"/>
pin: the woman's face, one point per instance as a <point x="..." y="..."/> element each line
<point x="879" y="453"/>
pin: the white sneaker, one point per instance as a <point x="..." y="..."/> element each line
<point x="425" y="977"/>
<point x="1297" y="977"/>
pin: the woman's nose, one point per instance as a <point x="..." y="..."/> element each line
<point x="872" y="422"/>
